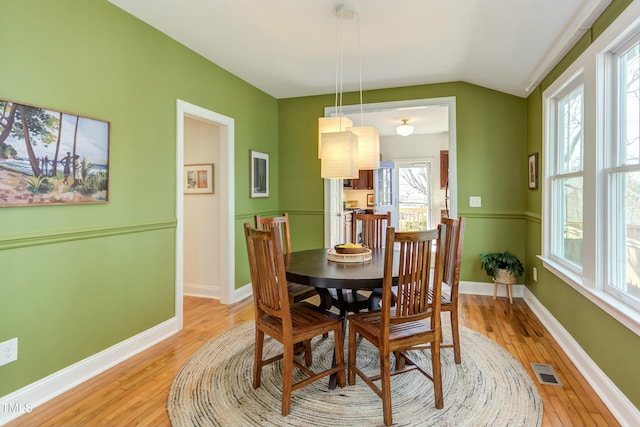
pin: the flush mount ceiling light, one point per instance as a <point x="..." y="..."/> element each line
<point x="404" y="129"/>
<point x="343" y="149"/>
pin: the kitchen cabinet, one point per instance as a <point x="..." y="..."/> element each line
<point x="364" y="181"/>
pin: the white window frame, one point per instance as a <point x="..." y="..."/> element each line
<point x="613" y="163"/>
<point x="591" y="66"/>
<point x="555" y="229"/>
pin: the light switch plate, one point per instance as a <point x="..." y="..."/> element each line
<point x="475" y="201"/>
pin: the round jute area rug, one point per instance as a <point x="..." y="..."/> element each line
<point x="489" y="388"/>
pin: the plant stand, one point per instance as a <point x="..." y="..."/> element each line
<point x="504" y="277"/>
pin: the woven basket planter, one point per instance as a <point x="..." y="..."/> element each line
<point x="505" y="277"/>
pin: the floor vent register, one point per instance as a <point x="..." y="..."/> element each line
<point x="546" y="374"/>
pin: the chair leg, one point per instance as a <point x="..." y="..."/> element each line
<point x="308" y="357"/>
<point x="352" y="355"/>
<point x="257" y="361"/>
<point x="338" y="336"/>
<point x="437" y="375"/>
<point x="455" y="333"/>
<point x="385" y="373"/>
<point x="400" y="360"/>
<point x="287" y="378"/>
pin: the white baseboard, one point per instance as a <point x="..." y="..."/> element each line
<point x="483" y="288"/>
<point x="202" y="291"/>
<point x="620" y="406"/>
<point x="242" y="293"/>
<point x="28" y="398"/>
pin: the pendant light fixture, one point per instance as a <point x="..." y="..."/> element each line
<point x="404" y="129"/>
<point x="342" y="148"/>
<point x="368" y="136"/>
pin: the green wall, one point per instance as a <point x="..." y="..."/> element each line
<point x="492" y="159"/>
<point x="610" y="344"/>
<point x="79" y="279"/>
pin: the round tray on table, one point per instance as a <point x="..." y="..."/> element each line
<point x="332" y="255"/>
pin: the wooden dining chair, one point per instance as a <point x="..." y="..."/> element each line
<point x="297" y="291"/>
<point x="373" y="228"/>
<point x="412" y="324"/>
<point x="452" y="241"/>
<point x="286" y="323"/>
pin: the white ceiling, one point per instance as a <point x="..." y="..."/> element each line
<point x="287" y="48"/>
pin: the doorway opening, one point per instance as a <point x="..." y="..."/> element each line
<point x="224" y="189"/>
<point x="386" y="116"/>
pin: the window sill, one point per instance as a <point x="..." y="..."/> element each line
<point x="615" y="308"/>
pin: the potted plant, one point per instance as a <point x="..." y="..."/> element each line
<point x="503" y="267"/>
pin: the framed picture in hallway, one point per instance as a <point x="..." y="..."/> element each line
<point x="198" y="179"/>
<point x="259" y="174"/>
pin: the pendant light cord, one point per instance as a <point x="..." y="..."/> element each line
<point x="338" y="99"/>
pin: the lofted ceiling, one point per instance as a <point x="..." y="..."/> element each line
<point x="287" y="48"/>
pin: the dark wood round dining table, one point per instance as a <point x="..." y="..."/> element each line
<point x="313" y="268"/>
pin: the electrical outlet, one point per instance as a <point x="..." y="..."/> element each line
<point x="535" y="274"/>
<point x="8" y="351"/>
<point x="475" y="201"/>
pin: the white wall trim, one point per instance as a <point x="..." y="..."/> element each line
<point x="33" y="395"/>
<point x="619" y="405"/>
<point x="243" y="292"/>
<point x="226" y="190"/>
<point x="450" y="101"/>
<point x="484" y="288"/>
<point x="202" y="291"/>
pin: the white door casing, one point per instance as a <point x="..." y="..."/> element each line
<point x="225" y="188"/>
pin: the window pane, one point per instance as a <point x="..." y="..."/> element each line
<point x="383" y="188"/>
<point x="624" y="233"/>
<point x="568" y="223"/>
<point x="629" y="67"/>
<point x="570" y="113"/>
<point x="414" y="193"/>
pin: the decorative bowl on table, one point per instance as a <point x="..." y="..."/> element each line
<point x="350" y="248"/>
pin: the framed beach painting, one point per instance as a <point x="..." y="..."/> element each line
<point x="259" y="174"/>
<point x="50" y="157"/>
<point x="198" y="179"/>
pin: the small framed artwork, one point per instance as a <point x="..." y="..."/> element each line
<point x="198" y="179"/>
<point x="259" y="174"/>
<point x="370" y="200"/>
<point x="533" y="171"/>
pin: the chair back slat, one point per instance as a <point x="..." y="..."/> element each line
<point x="453" y="238"/>
<point x="373" y="229"/>
<point x="268" y="274"/>
<point x="419" y="271"/>
<point x="281" y="223"/>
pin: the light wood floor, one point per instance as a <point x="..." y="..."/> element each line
<point x="134" y="393"/>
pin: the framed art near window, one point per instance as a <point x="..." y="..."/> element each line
<point x="259" y="174"/>
<point x="198" y="179"/>
<point x="370" y="200"/>
<point x="533" y="171"/>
